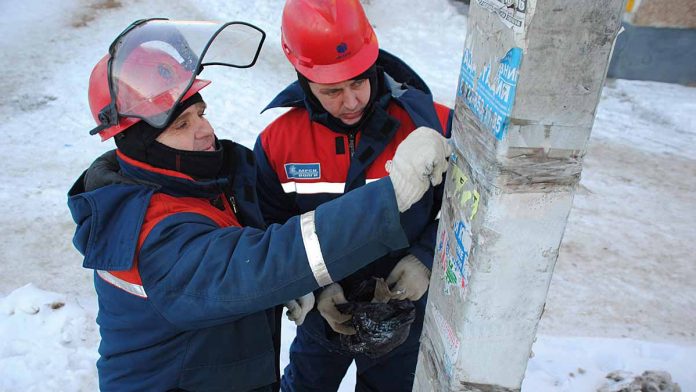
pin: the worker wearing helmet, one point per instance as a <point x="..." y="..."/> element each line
<point x="186" y="272"/>
<point x="351" y="107"/>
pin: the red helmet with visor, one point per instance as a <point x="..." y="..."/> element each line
<point x="160" y="82"/>
<point x="152" y="65"/>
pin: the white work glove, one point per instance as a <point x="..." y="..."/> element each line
<point x="409" y="279"/>
<point x="326" y="305"/>
<point x="420" y="160"/>
<point x="298" y="308"/>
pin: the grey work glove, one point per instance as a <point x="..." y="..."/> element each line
<point x="419" y="161"/>
<point x="326" y="305"/>
<point x="409" y="279"/>
<point x="298" y="308"/>
<point x="105" y="171"/>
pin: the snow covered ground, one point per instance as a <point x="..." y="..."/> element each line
<point x="622" y="296"/>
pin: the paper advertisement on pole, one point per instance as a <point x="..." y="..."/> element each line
<point x="511" y="12"/>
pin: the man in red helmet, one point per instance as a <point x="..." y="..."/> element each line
<point x="351" y="106"/>
<point x="186" y="272"/>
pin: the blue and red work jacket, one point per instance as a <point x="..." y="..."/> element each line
<point x="304" y="163"/>
<point x="187" y="274"/>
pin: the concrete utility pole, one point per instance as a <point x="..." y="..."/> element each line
<point x="531" y="78"/>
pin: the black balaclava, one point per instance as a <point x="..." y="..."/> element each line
<point x="139" y="142"/>
<point x="320" y="115"/>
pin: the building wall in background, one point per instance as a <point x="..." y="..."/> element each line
<point x="658" y="42"/>
<point x="662" y="13"/>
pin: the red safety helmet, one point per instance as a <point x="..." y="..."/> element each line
<point x="328" y="41"/>
<point x="148" y="83"/>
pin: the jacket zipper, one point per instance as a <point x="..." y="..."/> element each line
<point x="233" y="204"/>
<point x="351" y="143"/>
<point x="219" y="202"/>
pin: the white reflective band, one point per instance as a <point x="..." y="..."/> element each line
<point x="306" y="188"/>
<point x="313" y="250"/>
<point x="313" y="187"/>
<point x="131" y="288"/>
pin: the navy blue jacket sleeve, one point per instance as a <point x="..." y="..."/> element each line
<point x="197" y="274"/>
<point x="276" y="205"/>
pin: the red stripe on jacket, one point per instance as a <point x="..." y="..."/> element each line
<point x="294" y="138"/>
<point x="162" y="206"/>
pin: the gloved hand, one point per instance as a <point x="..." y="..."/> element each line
<point x="298" y="308"/>
<point x="420" y="160"/>
<point x="409" y="279"/>
<point x="105" y="171"/>
<point x="329" y="297"/>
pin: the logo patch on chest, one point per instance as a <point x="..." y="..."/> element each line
<point x="303" y="171"/>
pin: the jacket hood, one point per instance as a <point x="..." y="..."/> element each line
<point x="108" y="223"/>
<point x="398" y="75"/>
<point x="109" y="219"/>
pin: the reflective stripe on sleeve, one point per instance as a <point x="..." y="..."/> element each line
<point x="310" y="188"/>
<point x="128" y="287"/>
<point x="313" y="250"/>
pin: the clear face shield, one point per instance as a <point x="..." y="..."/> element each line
<point x="154" y="63"/>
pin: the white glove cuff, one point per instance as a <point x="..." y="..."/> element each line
<point x="406" y="191"/>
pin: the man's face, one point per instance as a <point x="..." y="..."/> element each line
<point x="345" y="100"/>
<point x="191" y="131"/>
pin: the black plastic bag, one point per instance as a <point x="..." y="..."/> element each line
<point x="380" y="326"/>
